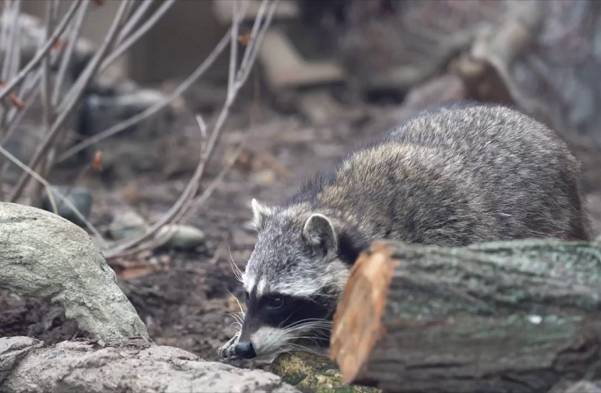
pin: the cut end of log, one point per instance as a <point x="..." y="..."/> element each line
<point x="357" y="320"/>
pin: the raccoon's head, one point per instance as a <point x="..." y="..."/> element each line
<point x="293" y="281"/>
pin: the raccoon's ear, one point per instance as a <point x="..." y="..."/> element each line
<point x="260" y="214"/>
<point x="319" y="232"/>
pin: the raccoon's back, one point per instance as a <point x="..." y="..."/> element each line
<point x="492" y="137"/>
<point x="460" y="175"/>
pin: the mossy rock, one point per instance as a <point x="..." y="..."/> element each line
<point x="313" y="374"/>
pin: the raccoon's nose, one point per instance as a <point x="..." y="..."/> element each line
<point x="245" y="350"/>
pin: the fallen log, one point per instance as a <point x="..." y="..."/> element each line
<point x="521" y="316"/>
<point x="133" y="366"/>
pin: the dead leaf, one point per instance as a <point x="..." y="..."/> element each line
<point x="97" y="163"/>
<point x="244" y="39"/>
<point x="138" y="271"/>
<point x="59" y="45"/>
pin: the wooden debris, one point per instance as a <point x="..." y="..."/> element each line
<point x="321" y="108"/>
<point x="505" y="317"/>
<point x="486" y="67"/>
<point x="223" y="10"/>
<point x="285" y="67"/>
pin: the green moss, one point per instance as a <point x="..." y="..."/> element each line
<point x="313" y="374"/>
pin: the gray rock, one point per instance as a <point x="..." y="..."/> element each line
<point x="125" y="104"/>
<point x="47" y="257"/>
<point x="78" y="367"/>
<point x="581" y="387"/>
<point x="80" y="197"/>
<point x="12" y="351"/>
<point x="127" y="225"/>
<point x="185" y="237"/>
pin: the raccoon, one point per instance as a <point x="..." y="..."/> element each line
<point x="450" y="176"/>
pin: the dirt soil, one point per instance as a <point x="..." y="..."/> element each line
<point x="187" y="302"/>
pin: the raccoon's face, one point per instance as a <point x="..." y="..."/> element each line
<point x="293" y="281"/>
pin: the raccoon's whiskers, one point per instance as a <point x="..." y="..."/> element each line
<point x="237" y="317"/>
<point x="315" y="321"/>
<point x="297" y="347"/>
<point x="235" y="268"/>
<point x="239" y="305"/>
<point x="309" y="324"/>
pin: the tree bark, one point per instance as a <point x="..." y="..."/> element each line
<point x="520" y="316"/>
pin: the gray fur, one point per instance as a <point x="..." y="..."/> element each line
<point x="450" y="177"/>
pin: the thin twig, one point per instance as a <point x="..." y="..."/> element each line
<point x="14" y="123"/>
<point x="50" y="189"/>
<point x="158" y="241"/>
<point x="202" y="126"/>
<point x="79" y="89"/>
<point x="185" y="201"/>
<point x="254" y="49"/>
<point x="16" y="57"/>
<point x="66" y="60"/>
<point x="154" y="109"/>
<point x="233" y="50"/>
<point x="52" y="201"/>
<point x="10" y="51"/>
<point x="206" y="194"/>
<point x="253" y="34"/>
<point x="4" y="31"/>
<point x="134" y="20"/>
<point x="71" y="96"/>
<point x="71" y="45"/>
<point x="42" y="53"/>
<point x="132" y="39"/>
<point x="47" y="109"/>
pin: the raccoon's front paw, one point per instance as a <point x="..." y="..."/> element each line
<point x="227" y="350"/>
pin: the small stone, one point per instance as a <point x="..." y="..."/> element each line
<point x="80" y="197"/>
<point x="126" y="225"/>
<point x="125" y="104"/>
<point x="265" y="177"/>
<point x="185" y="237"/>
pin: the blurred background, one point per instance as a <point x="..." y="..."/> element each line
<point x="152" y="124"/>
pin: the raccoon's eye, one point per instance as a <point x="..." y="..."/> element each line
<point x="246" y="296"/>
<point x="275" y="302"/>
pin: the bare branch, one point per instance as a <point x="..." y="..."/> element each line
<point x="11" y="51"/>
<point x="123" y="47"/>
<point x="233" y="49"/>
<point x="202" y="126"/>
<point x="47" y="107"/>
<point x="50" y="189"/>
<point x="151" y="111"/>
<point x="71" y="44"/>
<point x="135" y="18"/>
<point x="206" y="194"/>
<point x="184" y="203"/>
<point x="42" y="53"/>
<point x="79" y="87"/>
<point x="123" y="33"/>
